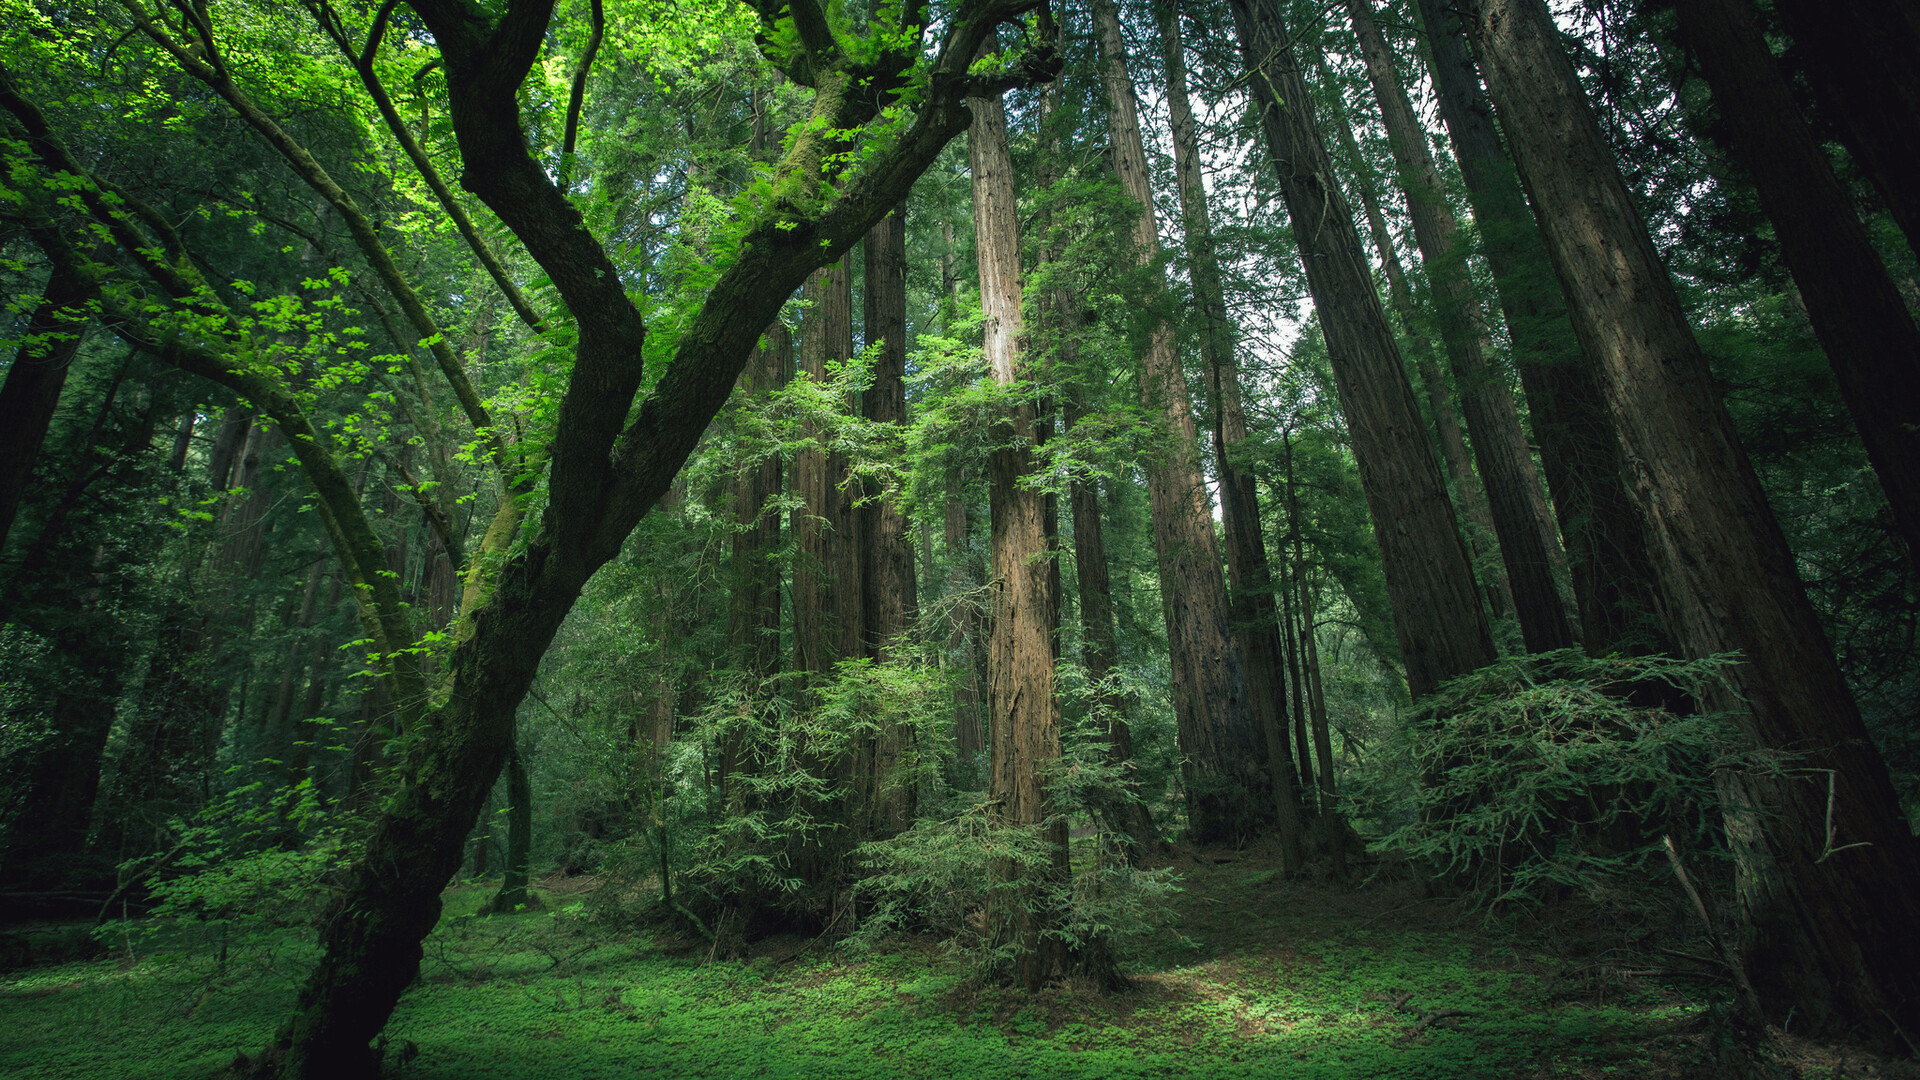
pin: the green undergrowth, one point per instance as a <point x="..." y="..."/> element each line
<point x="1260" y="977"/>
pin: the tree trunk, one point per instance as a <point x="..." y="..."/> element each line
<point x="888" y="576"/>
<point x="1606" y="549"/>
<point x="513" y="878"/>
<point x="1023" y="706"/>
<point x="1437" y="615"/>
<point x="1255" y="629"/>
<point x="1469" y="496"/>
<point x="1859" y="317"/>
<point x="969" y="738"/>
<point x="1224" y="751"/>
<point x="1099" y="643"/>
<point x="754" y="616"/>
<point x="827" y="606"/>
<point x="1859" y="57"/>
<point x="1527" y="546"/>
<point x="1825" y="863"/>
<point x="32" y="388"/>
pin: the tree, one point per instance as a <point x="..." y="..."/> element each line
<point x="1527" y="546"/>
<point x="1437" y="616"/>
<point x="1256" y="631"/>
<point x="1826" y="866"/>
<point x="609" y="461"/>
<point x="1862" y="322"/>
<point x="1225" y="767"/>
<point x="1023" y="706"/>
<point x="1607" y="553"/>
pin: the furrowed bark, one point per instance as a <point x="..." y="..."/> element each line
<point x="1254" y="616"/>
<point x="1023" y="704"/>
<point x="1606" y="551"/>
<point x="887" y="574"/>
<point x="1469" y="497"/>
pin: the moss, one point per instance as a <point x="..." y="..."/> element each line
<point x="1267" y="979"/>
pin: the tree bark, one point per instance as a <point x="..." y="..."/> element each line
<point x="1825" y="865"/>
<point x="1527" y="545"/>
<point x="513" y="879"/>
<point x="1607" y="557"/>
<point x="827" y="606"/>
<point x="1441" y="627"/>
<point x="888" y="582"/>
<point x="1228" y="782"/>
<point x="1023" y="704"/>
<point x="1469" y="497"/>
<point x="1858" y="315"/>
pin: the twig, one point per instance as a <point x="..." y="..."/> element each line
<point x="1748" y="997"/>
<point x="1828" y="850"/>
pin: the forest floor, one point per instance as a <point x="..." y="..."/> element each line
<point x="1257" y="977"/>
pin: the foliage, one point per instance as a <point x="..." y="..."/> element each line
<point x="958" y="874"/>
<point x="1547" y="772"/>
<point x="257" y="861"/>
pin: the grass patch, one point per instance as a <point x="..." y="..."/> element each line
<point x="1260" y="977"/>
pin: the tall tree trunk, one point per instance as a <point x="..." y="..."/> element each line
<point x="1609" y="566"/>
<point x="1527" y="545"/>
<point x="1825" y="864"/>
<point x="969" y="736"/>
<point x="1858" y="315"/>
<point x="1099" y="643"/>
<point x="1024" y="707"/>
<point x="280" y="734"/>
<point x="1860" y="58"/>
<point x="827" y="605"/>
<point x="513" y="879"/>
<point x="32" y="388"/>
<point x="1469" y="496"/>
<point x="1442" y="629"/>
<point x="754" y="616"/>
<point x="888" y="576"/>
<point x="1224" y="751"/>
<point x="1255" y="629"/>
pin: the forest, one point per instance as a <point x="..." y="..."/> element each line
<point x="968" y="538"/>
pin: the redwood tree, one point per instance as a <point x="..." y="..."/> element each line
<point x="1826" y="867"/>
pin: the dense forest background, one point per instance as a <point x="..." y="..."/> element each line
<point x="960" y="472"/>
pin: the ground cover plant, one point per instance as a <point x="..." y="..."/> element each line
<point x="1260" y="976"/>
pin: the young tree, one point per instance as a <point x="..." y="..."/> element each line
<point x="1826" y="866"/>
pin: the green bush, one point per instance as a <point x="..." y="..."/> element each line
<point x="1552" y="771"/>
